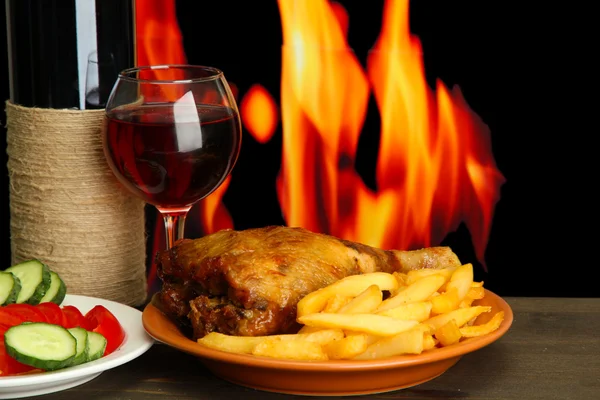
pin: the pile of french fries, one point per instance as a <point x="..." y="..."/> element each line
<point x="374" y="316"/>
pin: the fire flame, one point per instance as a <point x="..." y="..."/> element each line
<point x="435" y="167"/>
<point x="259" y="113"/>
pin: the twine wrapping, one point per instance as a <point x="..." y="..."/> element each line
<point x="68" y="210"/>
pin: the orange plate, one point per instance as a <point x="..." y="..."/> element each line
<point x="328" y="378"/>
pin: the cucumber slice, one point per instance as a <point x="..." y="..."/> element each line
<point x="83" y="346"/>
<point x="35" y="280"/>
<point x="57" y="291"/>
<point x="10" y="286"/>
<point x="41" y="345"/>
<point x="97" y="343"/>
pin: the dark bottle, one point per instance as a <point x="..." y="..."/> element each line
<point x="67" y="53"/>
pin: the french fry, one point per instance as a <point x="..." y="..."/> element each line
<point x="365" y="302"/>
<point x="335" y="302"/>
<point x="368" y="323"/>
<point x="461" y="316"/>
<point x="401" y="277"/>
<point x="309" y="329"/>
<point x="419" y="311"/>
<point x="429" y="342"/>
<point x="483" y="329"/>
<point x="348" y="347"/>
<point x="474" y="293"/>
<point x="420" y="290"/>
<point x="353" y="285"/>
<point x="231" y="344"/>
<point x="246" y="344"/>
<point x="275" y="347"/>
<point x="322" y="336"/>
<point x="448" y="333"/>
<point x="461" y="280"/>
<point x="415" y="275"/>
<point x="445" y="302"/>
<point x="369" y="338"/>
<point x="408" y="342"/>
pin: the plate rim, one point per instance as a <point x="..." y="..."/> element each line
<point x="402" y="361"/>
<point x="137" y="342"/>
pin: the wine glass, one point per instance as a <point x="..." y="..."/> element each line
<point x="172" y="136"/>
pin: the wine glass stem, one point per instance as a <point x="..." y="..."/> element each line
<point x="174" y="226"/>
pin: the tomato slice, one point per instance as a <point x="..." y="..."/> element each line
<point x="3" y="328"/>
<point x="9" y="319"/>
<point x="25" y="312"/>
<point x="53" y="313"/>
<point x="10" y="366"/>
<point x="74" y="317"/>
<point x="102" y="321"/>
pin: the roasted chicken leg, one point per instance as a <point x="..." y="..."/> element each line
<point x="248" y="282"/>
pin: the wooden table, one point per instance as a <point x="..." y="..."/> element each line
<point x="552" y="351"/>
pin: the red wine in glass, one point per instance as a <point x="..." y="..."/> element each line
<point x="171" y="163"/>
<point x="172" y="135"/>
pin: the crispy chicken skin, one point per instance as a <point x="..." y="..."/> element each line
<point x="248" y="282"/>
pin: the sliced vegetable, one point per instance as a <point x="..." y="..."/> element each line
<point x="10" y="286"/>
<point x="8" y="318"/>
<point x="83" y="347"/>
<point x="97" y="346"/>
<point x="74" y="317"/>
<point x="10" y="366"/>
<point x="41" y="345"/>
<point x="35" y="280"/>
<point x="54" y="314"/>
<point x="101" y="320"/>
<point x="25" y="312"/>
<point x="57" y="291"/>
<point x="3" y="328"/>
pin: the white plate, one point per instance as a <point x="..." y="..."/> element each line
<point x="136" y="343"/>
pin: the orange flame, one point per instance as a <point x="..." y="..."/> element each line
<point x="259" y="113"/>
<point x="435" y="167"/>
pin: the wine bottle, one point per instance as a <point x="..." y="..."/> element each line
<point x="67" y="53"/>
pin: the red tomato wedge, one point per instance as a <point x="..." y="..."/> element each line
<point x="53" y="313"/>
<point x="3" y="328"/>
<point x="74" y="317"/>
<point x="9" y="319"/>
<point x="8" y="365"/>
<point x="102" y="321"/>
<point x="25" y="312"/>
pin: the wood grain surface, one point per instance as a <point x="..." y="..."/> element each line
<point x="552" y="351"/>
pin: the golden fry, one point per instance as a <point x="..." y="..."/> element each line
<point x="419" y="311"/>
<point x="448" y="333"/>
<point x="461" y="316"/>
<point x="275" y="347"/>
<point x="445" y="302"/>
<point x="368" y="323"/>
<point x="335" y="302"/>
<point x="415" y="275"/>
<point x="347" y="347"/>
<point x="483" y="329"/>
<point x="420" y="290"/>
<point x="409" y="342"/>
<point x="365" y="302"/>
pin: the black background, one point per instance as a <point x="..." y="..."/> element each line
<point x="523" y="71"/>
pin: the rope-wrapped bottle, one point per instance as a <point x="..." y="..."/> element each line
<point x="66" y="207"/>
